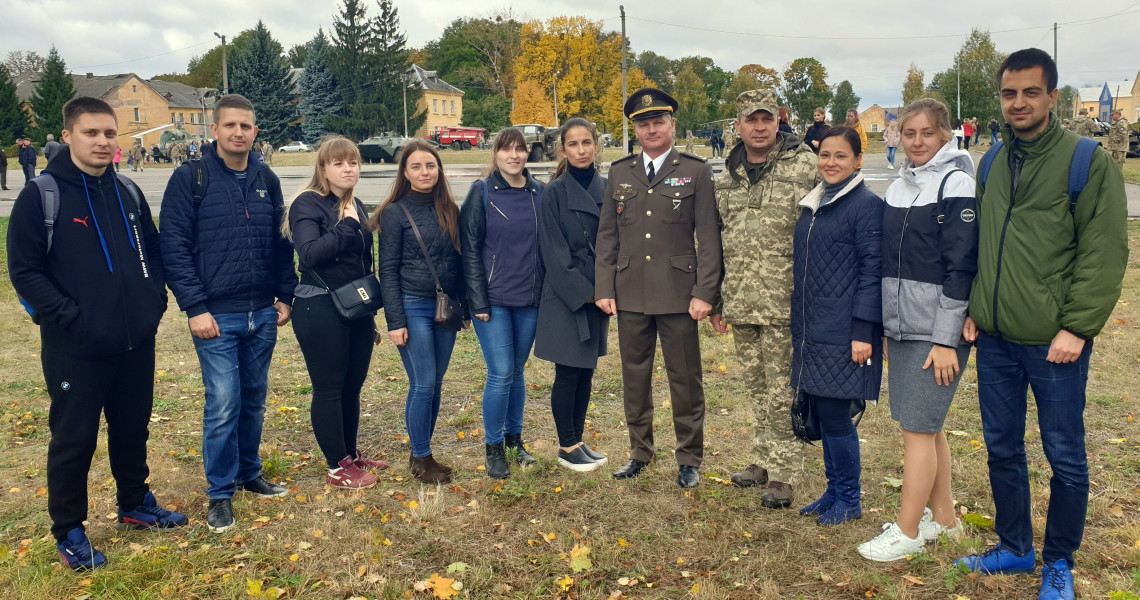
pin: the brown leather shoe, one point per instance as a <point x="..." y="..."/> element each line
<point x="427" y="470"/>
<point x="751" y="476"/>
<point x="412" y="460"/>
<point x="776" y="494"/>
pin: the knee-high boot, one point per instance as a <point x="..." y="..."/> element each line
<point x="828" y="498"/>
<point x="847" y="468"/>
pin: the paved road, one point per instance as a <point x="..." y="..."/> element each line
<point x="376" y="181"/>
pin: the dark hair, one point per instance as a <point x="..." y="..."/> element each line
<point x="231" y="101"/>
<point x="82" y="105"/>
<point x="446" y="210"/>
<point x="507" y="138"/>
<point x="846" y="133"/>
<point x="566" y="127"/>
<point x="1027" y="59"/>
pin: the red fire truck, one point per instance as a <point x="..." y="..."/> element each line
<point x="459" y="138"/>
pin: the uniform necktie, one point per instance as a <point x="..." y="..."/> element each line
<point x="652" y="171"/>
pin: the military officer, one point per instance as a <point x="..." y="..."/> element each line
<point x="658" y="268"/>
<point x="757" y="197"/>
<point x="1083" y="125"/>
<point x="1118" y="138"/>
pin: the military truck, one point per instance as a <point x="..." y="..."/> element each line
<point x="542" y="142"/>
<point x="386" y="147"/>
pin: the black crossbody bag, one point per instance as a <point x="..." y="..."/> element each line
<point x="357" y="298"/>
<point x="448" y="313"/>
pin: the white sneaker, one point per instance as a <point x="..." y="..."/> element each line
<point x="929" y="529"/>
<point x="890" y="545"/>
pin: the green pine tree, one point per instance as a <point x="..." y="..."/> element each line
<point x="13" y="119"/>
<point x="843" y="100"/>
<point x="319" y="95"/>
<point x="259" y="73"/>
<point x="54" y="89"/>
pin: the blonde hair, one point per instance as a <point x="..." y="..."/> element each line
<point x="934" y="110"/>
<point x="331" y="148"/>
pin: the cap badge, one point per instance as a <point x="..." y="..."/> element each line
<point x="647" y="99"/>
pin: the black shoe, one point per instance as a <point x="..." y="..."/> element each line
<point x="687" y="476"/>
<point x="261" y="487"/>
<point x="496" y="461"/>
<point x="577" y="460"/>
<point x="525" y="458"/>
<point x="220" y="517"/>
<point x="597" y="456"/>
<point x="631" y="469"/>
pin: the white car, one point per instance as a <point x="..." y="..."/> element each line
<point x="295" y="147"/>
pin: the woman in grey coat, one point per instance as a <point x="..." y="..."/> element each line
<point x="571" y="329"/>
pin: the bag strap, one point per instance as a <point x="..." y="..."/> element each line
<point x="1079" y="170"/>
<point x="988" y="162"/>
<point x="423" y="246"/>
<point x="49" y="198"/>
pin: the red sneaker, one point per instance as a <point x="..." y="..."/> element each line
<point x="366" y="464"/>
<point x="350" y="476"/>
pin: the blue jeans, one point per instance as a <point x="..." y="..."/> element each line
<point x="235" y="371"/>
<point x="891" y="154"/>
<point x="1005" y="373"/>
<point x="425" y="357"/>
<point x="993" y="138"/>
<point x="506" y="340"/>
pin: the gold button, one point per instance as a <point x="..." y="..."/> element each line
<point x="677" y="194"/>
<point x="649" y="213"/>
<point x="649" y="192"/>
<point x="647" y="258"/>
<point x="648" y="235"/>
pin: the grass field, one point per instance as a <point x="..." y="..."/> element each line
<point x="545" y="532"/>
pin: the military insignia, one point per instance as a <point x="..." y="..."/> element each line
<point x="647" y="99"/>
<point x="676" y="161"/>
<point x="676" y="204"/>
<point x="620" y="207"/>
<point x="625" y="187"/>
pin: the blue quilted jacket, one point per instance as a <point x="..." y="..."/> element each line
<point x="227" y="255"/>
<point x="837" y="294"/>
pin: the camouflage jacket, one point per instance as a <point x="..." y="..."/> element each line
<point x="1082" y="125"/>
<point x="759" y="223"/>
<point x="1118" y="135"/>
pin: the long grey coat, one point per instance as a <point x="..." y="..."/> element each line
<point x="572" y="331"/>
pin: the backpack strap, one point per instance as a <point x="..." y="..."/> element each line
<point x="49" y="198"/>
<point x="1079" y="170"/>
<point x="941" y="189"/>
<point x="132" y="189"/>
<point x="987" y="162"/>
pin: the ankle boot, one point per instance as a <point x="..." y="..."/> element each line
<point x="425" y="470"/>
<point x="496" y="462"/>
<point x="825" y="501"/>
<point x="525" y="458"/>
<point x="847" y="468"/>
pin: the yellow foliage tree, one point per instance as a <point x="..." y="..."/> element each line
<point x="532" y="104"/>
<point x="582" y="57"/>
<point x="614" y="102"/>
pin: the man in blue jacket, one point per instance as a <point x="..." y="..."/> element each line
<point x="26" y="156"/>
<point x="231" y="270"/>
<point x="95" y="288"/>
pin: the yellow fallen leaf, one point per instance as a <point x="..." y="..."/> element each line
<point x="696" y="588"/>
<point x="622" y="543"/>
<point x="549" y="537"/>
<point x="558" y="489"/>
<point x="565" y="583"/>
<point x="318" y="533"/>
<point x="442" y="587"/>
<point x="387" y="542"/>
<point x="913" y="580"/>
<point x="480" y="468"/>
<point x="1116" y="511"/>
<point x="261" y="520"/>
<point x="295" y="558"/>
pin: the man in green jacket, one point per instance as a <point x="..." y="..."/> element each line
<point x="1049" y="275"/>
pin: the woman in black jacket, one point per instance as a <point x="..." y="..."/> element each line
<point x="572" y="330"/>
<point x="815" y="131"/>
<point x="335" y="248"/>
<point x="409" y="291"/>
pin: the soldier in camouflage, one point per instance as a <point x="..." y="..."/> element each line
<point x="728" y="138"/>
<point x="137" y="153"/>
<point x="1118" y="138"/>
<point x="177" y="154"/>
<point x="1082" y="125"/>
<point x="765" y="177"/>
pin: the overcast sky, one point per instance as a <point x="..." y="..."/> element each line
<point x="869" y="42"/>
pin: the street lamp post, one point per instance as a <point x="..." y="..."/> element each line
<point x="556" y="74"/>
<point x="225" y="71"/>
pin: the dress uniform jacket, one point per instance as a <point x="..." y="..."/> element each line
<point x="647" y="258"/>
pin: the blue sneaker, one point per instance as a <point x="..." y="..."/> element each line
<point x="1056" y="582"/>
<point x="77" y="553"/>
<point x="999" y="560"/>
<point x="149" y="515"/>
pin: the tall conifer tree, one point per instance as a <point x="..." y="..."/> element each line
<point x="259" y="73"/>
<point x="54" y="89"/>
<point x="319" y="95"/>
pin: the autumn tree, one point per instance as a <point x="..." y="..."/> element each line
<point x="532" y="104"/>
<point x="54" y="89"/>
<point x="805" y="87"/>
<point x="912" y="87"/>
<point x="19" y="62"/>
<point x="748" y="77"/>
<point x="612" y="110"/>
<point x="977" y="63"/>
<point x="579" y="54"/>
<point x="692" y="100"/>
<point x="843" y="101"/>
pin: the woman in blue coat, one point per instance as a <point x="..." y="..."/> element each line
<point x="571" y="329"/>
<point x="837" y="314"/>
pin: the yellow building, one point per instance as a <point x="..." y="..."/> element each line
<point x="1100" y="100"/>
<point x="441" y="102"/>
<point x="144" y="108"/>
<point x="873" y="119"/>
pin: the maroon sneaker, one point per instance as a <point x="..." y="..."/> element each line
<point x="367" y="464"/>
<point x="350" y="476"/>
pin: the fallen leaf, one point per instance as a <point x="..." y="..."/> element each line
<point x="893" y="482"/>
<point x="913" y="580"/>
<point x="622" y="543"/>
<point x="457" y="567"/>
<point x="696" y="588"/>
<point x="295" y="558"/>
<point x="580" y="559"/>
<point x="1116" y="511"/>
<point x="442" y="587"/>
<point x="565" y="583"/>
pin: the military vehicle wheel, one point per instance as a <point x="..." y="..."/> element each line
<point x="396" y="156"/>
<point x="456" y="145"/>
<point x="535" y="154"/>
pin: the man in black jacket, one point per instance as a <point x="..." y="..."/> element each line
<point x="231" y="270"/>
<point x="3" y="168"/>
<point x="27" y="158"/>
<point x="98" y="296"/>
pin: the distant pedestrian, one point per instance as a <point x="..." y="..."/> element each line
<point x="994" y="129"/>
<point x="786" y="120"/>
<point x="815" y="131"/>
<point x="967" y="133"/>
<point x="891" y="138"/>
<point x="27" y="158"/>
<point x="51" y="148"/>
<point x="958" y="133"/>
<point x="854" y="123"/>
<point x="118" y="157"/>
<point x="689" y="141"/>
<point x="1118" y="138"/>
<point x="3" y="167"/>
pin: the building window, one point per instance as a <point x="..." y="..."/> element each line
<point x="181" y="119"/>
<point x="136" y="115"/>
<point x="134" y="88"/>
<point x="453" y="107"/>
<point x="172" y="119"/>
<point x="874" y="127"/>
<point x="435" y="106"/>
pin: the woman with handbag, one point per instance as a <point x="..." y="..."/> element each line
<point x="335" y="250"/>
<point x="421" y="282"/>
<point x="930" y="257"/>
<point x="498" y="228"/>
<point x="572" y="329"/>
<point x="837" y="315"/>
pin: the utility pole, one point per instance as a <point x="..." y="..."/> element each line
<point x="1054" y="42"/>
<point x="958" y="72"/>
<point x="556" y="74"/>
<point x="624" y="91"/>
<point x="404" y="83"/>
<point x="225" y="71"/>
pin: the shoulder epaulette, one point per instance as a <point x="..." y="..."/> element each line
<point x="623" y="159"/>
<point x="693" y="156"/>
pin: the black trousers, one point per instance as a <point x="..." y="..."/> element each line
<point x="337" y="354"/>
<point x="29" y="172"/>
<point x="569" y="399"/>
<point x="121" y="386"/>
<point x="4" y="176"/>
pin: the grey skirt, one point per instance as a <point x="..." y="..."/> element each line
<point x="917" y="402"/>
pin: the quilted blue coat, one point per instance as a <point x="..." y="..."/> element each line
<point x="837" y="293"/>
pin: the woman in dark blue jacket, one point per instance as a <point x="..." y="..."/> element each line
<point x="837" y="314"/>
<point x="503" y="269"/>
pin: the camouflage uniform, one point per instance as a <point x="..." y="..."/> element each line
<point x="177" y="154"/>
<point x="689" y="146"/>
<point x="759" y="223"/>
<point x="136" y="153"/>
<point x="1083" y="126"/>
<point x="1118" y="141"/>
<point x="729" y="137"/>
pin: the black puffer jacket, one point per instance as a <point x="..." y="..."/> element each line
<point x="403" y="270"/>
<point x="341" y="251"/>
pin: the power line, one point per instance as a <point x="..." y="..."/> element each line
<point x="123" y="62"/>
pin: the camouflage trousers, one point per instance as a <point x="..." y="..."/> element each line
<point x="1118" y="156"/>
<point x="765" y="354"/>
